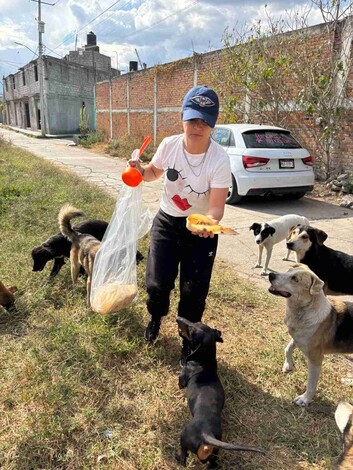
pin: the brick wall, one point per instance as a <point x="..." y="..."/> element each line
<point x="149" y="101"/>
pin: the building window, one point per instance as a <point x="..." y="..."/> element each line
<point x="13" y="83"/>
<point x="24" y="78"/>
<point x="36" y="73"/>
<point x="6" y="88"/>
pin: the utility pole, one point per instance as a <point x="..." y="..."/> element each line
<point x="139" y="59"/>
<point x="41" y="67"/>
<point x="41" y="70"/>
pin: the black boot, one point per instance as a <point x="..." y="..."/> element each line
<point x="185" y="352"/>
<point x="152" y="329"/>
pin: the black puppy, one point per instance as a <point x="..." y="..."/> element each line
<point x="333" y="267"/>
<point x="203" y="434"/>
<point x="58" y="247"/>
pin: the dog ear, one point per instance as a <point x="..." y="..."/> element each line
<point x="271" y="230"/>
<point x="293" y="228"/>
<point x="320" y="235"/>
<point x="254" y="226"/>
<point x="317" y="284"/>
<point x="217" y="336"/>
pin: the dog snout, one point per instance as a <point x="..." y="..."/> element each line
<point x="272" y="277"/>
<point x="258" y="242"/>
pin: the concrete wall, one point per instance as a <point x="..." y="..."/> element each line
<point x="66" y="86"/>
<point x="91" y="58"/>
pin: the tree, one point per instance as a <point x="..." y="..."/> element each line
<point x="278" y="69"/>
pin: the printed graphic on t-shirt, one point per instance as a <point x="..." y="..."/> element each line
<point x="175" y="176"/>
<point x="187" y="186"/>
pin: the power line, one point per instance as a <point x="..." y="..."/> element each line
<point x="51" y="50"/>
<point x="111" y="6"/>
<point x="10" y="62"/>
<point x="160" y="21"/>
<point x="108" y="17"/>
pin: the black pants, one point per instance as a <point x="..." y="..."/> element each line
<point x="171" y="245"/>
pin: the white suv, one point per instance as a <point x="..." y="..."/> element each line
<point x="264" y="160"/>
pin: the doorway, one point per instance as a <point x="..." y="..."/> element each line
<point x="27" y="116"/>
<point x="39" y="126"/>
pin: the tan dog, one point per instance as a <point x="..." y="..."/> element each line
<point x="344" y="421"/>
<point x="83" y="246"/>
<point x="317" y="325"/>
<point x="7" y="297"/>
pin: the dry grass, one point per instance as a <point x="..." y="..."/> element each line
<point x="79" y="391"/>
<point x="122" y="148"/>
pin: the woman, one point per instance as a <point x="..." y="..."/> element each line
<point x="197" y="176"/>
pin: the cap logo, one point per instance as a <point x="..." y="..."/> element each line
<point x="203" y="101"/>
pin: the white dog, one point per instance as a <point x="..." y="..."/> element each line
<point x="267" y="234"/>
<point x="317" y="325"/>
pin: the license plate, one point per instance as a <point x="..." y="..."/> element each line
<point x="288" y="163"/>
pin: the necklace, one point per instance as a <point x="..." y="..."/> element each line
<point x="200" y="164"/>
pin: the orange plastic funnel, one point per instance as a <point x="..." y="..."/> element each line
<point x="131" y="176"/>
<point x="145" y="144"/>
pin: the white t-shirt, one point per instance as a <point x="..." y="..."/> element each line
<point x="184" y="192"/>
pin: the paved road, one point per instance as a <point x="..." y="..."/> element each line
<point x="239" y="250"/>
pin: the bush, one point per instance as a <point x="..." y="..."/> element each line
<point x="91" y="138"/>
<point x="124" y="147"/>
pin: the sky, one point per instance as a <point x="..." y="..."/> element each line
<point x="160" y="31"/>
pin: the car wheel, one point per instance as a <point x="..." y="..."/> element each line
<point x="294" y="196"/>
<point x="233" y="196"/>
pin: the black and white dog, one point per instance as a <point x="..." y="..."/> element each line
<point x="267" y="234"/>
<point x="333" y="267"/>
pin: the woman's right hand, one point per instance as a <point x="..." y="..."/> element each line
<point x="134" y="161"/>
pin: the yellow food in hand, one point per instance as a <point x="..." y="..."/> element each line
<point x="198" y="222"/>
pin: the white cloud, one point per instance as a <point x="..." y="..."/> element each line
<point x="161" y="30"/>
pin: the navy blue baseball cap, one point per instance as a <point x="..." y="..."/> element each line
<point x="201" y="102"/>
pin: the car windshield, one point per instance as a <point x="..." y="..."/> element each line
<point x="269" y="139"/>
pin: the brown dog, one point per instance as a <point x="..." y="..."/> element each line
<point x="7" y="297"/>
<point x="318" y="325"/>
<point x="83" y="246"/>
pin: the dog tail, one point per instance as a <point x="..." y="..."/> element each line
<point x="212" y="441"/>
<point x="68" y="212"/>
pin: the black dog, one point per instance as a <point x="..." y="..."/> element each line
<point x="58" y="247"/>
<point x="203" y="434"/>
<point x="333" y="267"/>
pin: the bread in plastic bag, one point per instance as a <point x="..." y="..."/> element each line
<point x="114" y="279"/>
<point x="113" y="297"/>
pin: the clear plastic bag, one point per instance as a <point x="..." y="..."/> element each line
<point x="114" y="280"/>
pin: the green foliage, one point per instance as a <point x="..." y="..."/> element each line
<point x="84" y="121"/>
<point x="92" y="138"/>
<point x="272" y="66"/>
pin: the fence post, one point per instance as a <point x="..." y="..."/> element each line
<point x="155" y="108"/>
